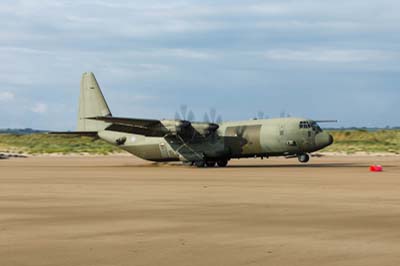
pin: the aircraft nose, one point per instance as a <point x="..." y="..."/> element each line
<point x="331" y="140"/>
<point x="323" y="140"/>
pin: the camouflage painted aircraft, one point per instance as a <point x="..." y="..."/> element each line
<point x="197" y="143"/>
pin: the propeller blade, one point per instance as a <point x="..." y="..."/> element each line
<point x="219" y="119"/>
<point x="213" y="114"/>
<point x="240" y="131"/>
<point x="191" y="116"/>
<point x="177" y="116"/>
<point x="206" y="118"/>
<point x="184" y="109"/>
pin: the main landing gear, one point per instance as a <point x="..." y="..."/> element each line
<point x="304" y="158"/>
<point x="220" y="163"/>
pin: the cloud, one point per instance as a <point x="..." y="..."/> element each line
<point x="329" y="55"/>
<point x="198" y="52"/>
<point x="39" y="108"/>
<point x="6" y="96"/>
<point x="184" y="53"/>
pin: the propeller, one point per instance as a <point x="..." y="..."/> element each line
<point x="191" y="116"/>
<point x="188" y="115"/>
<point x="240" y="131"/>
<point x="184" y="109"/>
<point x="261" y="115"/>
<point x="185" y="114"/>
<point x="284" y="114"/>
<point x="212" y="117"/>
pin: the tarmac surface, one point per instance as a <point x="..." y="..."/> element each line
<point x="119" y="210"/>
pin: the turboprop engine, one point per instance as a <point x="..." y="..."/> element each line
<point x="186" y="128"/>
<point x="175" y="127"/>
<point x="205" y="129"/>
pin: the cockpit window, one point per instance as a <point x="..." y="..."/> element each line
<point x="309" y="124"/>
<point x="316" y="127"/>
<point x="305" y="124"/>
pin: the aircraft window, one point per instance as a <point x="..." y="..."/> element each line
<point x="316" y="127"/>
<point x="305" y="124"/>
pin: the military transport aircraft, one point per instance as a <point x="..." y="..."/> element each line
<point x="196" y="143"/>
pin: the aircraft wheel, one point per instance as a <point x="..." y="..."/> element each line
<point x="304" y="158"/>
<point x="222" y="163"/>
<point x="200" y="164"/>
<point x="210" y="163"/>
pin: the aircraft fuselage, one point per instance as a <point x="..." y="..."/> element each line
<point x="252" y="138"/>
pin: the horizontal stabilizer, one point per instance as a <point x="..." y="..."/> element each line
<point x="127" y="121"/>
<point x="146" y="127"/>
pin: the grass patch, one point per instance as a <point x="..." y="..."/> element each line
<point x="352" y="141"/>
<point x="52" y="144"/>
<point x="346" y="141"/>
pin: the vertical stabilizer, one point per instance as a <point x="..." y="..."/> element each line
<point x="91" y="104"/>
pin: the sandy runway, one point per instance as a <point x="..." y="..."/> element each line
<point x="82" y="211"/>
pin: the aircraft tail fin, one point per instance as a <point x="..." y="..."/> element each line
<point x="91" y="104"/>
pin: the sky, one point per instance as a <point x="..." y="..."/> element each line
<point x="317" y="59"/>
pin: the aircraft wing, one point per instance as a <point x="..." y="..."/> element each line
<point x="146" y="127"/>
<point x="152" y="127"/>
<point x="75" y="133"/>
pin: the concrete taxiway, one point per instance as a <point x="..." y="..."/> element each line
<point x="119" y="210"/>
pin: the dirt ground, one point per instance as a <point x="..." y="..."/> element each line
<point x="83" y="211"/>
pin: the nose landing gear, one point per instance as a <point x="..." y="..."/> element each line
<point x="303" y="158"/>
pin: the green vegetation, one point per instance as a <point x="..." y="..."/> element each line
<point x="346" y="141"/>
<point x="52" y="144"/>
<point x="352" y="141"/>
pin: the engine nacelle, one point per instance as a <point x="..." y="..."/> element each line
<point x="175" y="127"/>
<point x="205" y="129"/>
